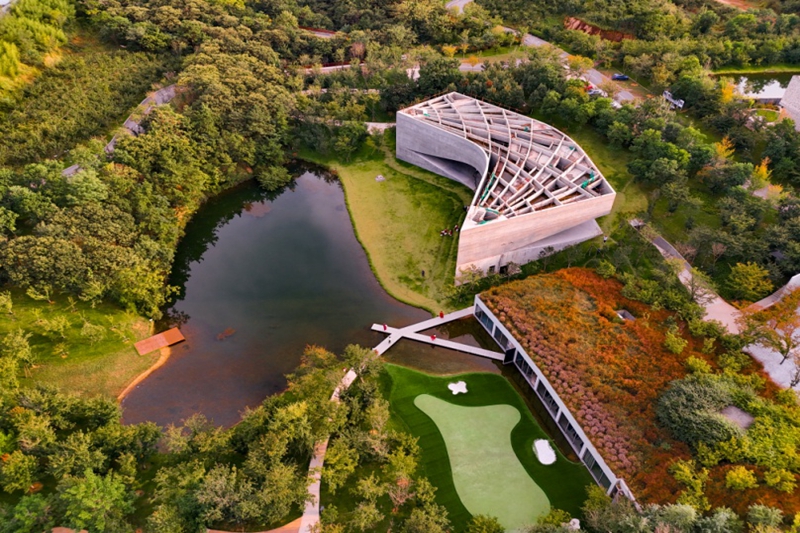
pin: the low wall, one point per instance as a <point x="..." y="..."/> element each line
<point x="555" y="407"/>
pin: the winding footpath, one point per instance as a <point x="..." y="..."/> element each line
<point x="729" y="316"/>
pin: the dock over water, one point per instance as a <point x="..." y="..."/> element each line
<point x="162" y="340"/>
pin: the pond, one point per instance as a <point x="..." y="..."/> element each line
<point x="262" y="276"/>
<point x="763" y="86"/>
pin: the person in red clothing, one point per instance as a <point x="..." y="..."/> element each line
<point x="441" y="314"/>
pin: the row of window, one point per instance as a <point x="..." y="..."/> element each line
<point x="547" y="399"/>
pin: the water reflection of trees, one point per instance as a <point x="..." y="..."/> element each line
<point x="201" y="232"/>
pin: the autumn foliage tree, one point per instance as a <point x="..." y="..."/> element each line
<point x="777" y="328"/>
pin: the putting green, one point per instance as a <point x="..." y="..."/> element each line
<point x="487" y="474"/>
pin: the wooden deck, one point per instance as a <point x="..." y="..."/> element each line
<point x="162" y="340"/>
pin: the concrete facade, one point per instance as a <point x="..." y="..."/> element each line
<point x="535" y="188"/>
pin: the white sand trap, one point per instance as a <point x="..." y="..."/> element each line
<point x="458" y="387"/>
<point x="544" y="452"/>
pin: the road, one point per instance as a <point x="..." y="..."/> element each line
<point x="593" y="76"/>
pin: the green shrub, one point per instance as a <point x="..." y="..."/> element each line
<point x="761" y="515"/>
<point x="674" y="342"/>
<point x="734" y="361"/>
<point x="596" y="498"/>
<point x="740" y="478"/>
<point x="484" y="524"/>
<point x="690" y="407"/>
<point x="555" y="517"/>
<point x="606" y="269"/>
<point x="695" y="365"/>
<point x="708" y="345"/>
<point x="694" y="480"/>
<point x="722" y="520"/>
<point x="780" y="479"/>
<point x="679" y="517"/>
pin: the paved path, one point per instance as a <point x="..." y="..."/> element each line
<point x="318" y="32"/>
<point x="379" y="126"/>
<point x="716" y="308"/>
<point x="778" y="295"/>
<point x="291" y="527"/>
<point x="457" y="4"/>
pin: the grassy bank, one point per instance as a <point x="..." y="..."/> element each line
<point x="98" y="359"/>
<point x="398" y="221"/>
<point x="780" y="68"/>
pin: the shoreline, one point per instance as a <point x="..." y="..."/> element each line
<point x="755" y="70"/>
<point x="166" y="352"/>
<point x="385" y="286"/>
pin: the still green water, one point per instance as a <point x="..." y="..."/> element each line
<point x="263" y="276"/>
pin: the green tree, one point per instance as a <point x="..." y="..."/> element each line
<point x="93" y="502"/>
<point x="18" y="471"/>
<point x="484" y="524"/>
<point x="32" y="514"/>
<point x="75" y="455"/>
<point x="365" y="516"/>
<point x="341" y="461"/>
<point x="428" y="519"/>
<point x="749" y="281"/>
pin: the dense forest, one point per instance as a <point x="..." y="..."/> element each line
<point x="251" y="94"/>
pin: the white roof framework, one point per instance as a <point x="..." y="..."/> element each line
<point x="533" y="166"/>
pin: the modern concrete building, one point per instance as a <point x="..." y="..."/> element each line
<point x="535" y="188"/>
<point x="791" y="101"/>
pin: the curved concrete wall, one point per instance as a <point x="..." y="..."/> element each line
<point x="422" y="145"/>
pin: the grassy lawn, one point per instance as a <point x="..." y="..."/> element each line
<point x="770" y="115"/>
<point x="70" y="360"/>
<point x="563" y="483"/>
<point x="493" y="55"/>
<point x="398" y="222"/>
<point x="487" y="474"/>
